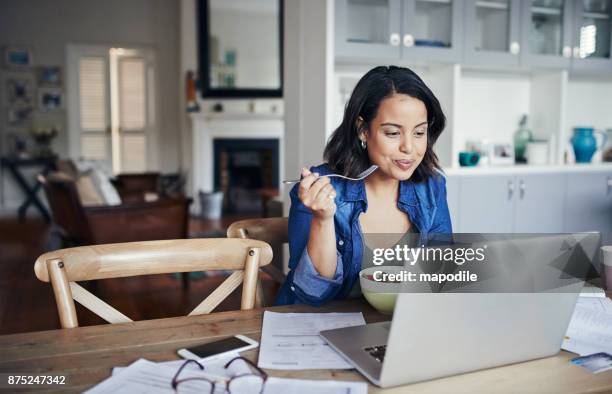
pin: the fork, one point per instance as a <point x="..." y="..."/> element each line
<point x="359" y="177"/>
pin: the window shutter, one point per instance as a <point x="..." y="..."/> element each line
<point x="132" y="93"/>
<point x="92" y="93"/>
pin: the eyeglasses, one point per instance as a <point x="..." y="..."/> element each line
<point x="246" y="383"/>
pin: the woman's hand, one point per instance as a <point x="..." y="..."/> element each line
<point x="317" y="194"/>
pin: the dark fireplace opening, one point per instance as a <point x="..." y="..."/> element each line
<point x="244" y="170"/>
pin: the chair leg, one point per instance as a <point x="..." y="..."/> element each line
<point x="260" y="298"/>
<point x="185" y="280"/>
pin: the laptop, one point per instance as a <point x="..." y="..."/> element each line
<point x="434" y="335"/>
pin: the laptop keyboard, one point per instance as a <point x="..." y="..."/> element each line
<point x="378" y="352"/>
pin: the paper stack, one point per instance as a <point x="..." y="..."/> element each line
<point x="145" y="376"/>
<point x="590" y="329"/>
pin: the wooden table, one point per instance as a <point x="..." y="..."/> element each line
<point x="87" y="354"/>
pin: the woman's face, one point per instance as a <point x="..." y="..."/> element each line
<point x="397" y="136"/>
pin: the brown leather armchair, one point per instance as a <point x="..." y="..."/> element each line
<point x="132" y="187"/>
<point x="166" y="218"/>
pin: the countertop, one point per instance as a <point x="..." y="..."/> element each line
<point x="527" y="169"/>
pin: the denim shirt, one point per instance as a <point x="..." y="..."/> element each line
<point x="424" y="203"/>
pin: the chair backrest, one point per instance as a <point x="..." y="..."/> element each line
<point x="271" y="230"/>
<point x="274" y="231"/>
<point x="64" y="267"/>
<point x="66" y="207"/>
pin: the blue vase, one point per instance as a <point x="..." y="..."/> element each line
<point x="585" y="144"/>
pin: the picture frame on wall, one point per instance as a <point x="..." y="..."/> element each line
<point x="49" y="76"/>
<point x="20" y="91"/>
<point x="20" y="115"/>
<point x="18" y="57"/>
<point x="50" y="99"/>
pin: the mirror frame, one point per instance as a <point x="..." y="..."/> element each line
<point x="203" y="33"/>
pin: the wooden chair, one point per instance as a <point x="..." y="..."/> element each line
<point x="271" y="230"/>
<point x="64" y="267"/>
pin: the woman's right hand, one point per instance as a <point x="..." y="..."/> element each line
<point x="317" y="194"/>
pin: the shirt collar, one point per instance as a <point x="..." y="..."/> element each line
<point x="355" y="191"/>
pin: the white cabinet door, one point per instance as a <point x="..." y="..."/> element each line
<point x="589" y="202"/>
<point x="539" y="203"/>
<point x="368" y="29"/>
<point x="486" y="204"/>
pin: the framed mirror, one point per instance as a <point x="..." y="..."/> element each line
<point x="241" y="48"/>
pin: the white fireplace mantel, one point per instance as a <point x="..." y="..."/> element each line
<point x="208" y="126"/>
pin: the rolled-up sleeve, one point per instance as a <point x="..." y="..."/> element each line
<point x="311" y="283"/>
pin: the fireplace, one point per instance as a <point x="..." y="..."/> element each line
<point x="243" y="168"/>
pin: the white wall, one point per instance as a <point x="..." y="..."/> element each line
<point x="490" y="105"/>
<point x="47" y="26"/>
<point x="308" y="78"/>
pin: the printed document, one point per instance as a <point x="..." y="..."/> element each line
<point x="292" y="341"/>
<point x="596" y="303"/>
<point x="144" y="376"/>
<point x="589" y="331"/>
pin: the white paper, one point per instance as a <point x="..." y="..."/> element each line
<point x="589" y="331"/>
<point x="592" y="291"/>
<point x="292" y="341"/>
<point x="299" y="386"/>
<point x="144" y="376"/>
<point x="211" y="363"/>
<point x="596" y="303"/>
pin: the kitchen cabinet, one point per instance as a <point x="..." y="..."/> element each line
<point x="538" y="34"/>
<point x="547" y="33"/>
<point x="431" y="30"/>
<point x="486" y="204"/>
<point x="589" y="202"/>
<point x="592" y="35"/>
<point x="492" y="32"/>
<point x="368" y="28"/>
<point x="539" y="203"/>
<point x="419" y="30"/>
<point x="525" y="203"/>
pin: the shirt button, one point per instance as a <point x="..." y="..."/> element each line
<point x="341" y="242"/>
<point x="292" y="288"/>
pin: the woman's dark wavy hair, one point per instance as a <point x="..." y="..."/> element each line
<point x="343" y="151"/>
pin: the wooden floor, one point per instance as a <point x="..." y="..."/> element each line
<point x="26" y="304"/>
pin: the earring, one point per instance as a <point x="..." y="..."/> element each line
<point x="363" y="144"/>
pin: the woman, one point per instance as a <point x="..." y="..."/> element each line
<point x="392" y="120"/>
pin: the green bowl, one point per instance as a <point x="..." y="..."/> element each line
<point x="381" y="295"/>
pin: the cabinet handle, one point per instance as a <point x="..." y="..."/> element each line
<point x="394" y="39"/>
<point x="522" y="188"/>
<point x="515" y="48"/>
<point x="567" y="51"/>
<point x="510" y="189"/>
<point x="577" y="52"/>
<point x="408" y="40"/>
<point x="609" y="186"/>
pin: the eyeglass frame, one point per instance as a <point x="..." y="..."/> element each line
<point x="261" y="374"/>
